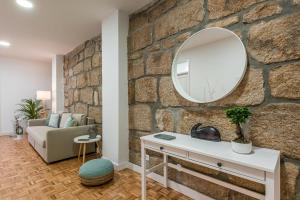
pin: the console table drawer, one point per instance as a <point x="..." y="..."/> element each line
<point x="167" y="149"/>
<point x="229" y="167"/>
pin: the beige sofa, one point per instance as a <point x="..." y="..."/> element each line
<point x="54" y="144"/>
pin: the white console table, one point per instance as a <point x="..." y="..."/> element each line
<point x="261" y="166"/>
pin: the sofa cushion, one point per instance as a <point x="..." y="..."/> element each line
<point x="80" y="119"/>
<point x="63" y="119"/>
<point x="70" y="122"/>
<point x="54" y="120"/>
<point x="48" y="120"/>
<point x="39" y="133"/>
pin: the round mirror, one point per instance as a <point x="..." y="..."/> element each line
<point x="209" y="65"/>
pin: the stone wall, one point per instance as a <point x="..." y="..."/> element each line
<point x="82" y="80"/>
<point x="270" y="30"/>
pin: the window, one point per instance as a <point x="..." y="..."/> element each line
<point x="183" y="68"/>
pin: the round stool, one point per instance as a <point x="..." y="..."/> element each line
<point x="96" y="172"/>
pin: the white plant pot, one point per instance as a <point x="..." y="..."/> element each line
<point x="241" y="148"/>
<point x="19" y="137"/>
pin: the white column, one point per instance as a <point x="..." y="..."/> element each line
<point x="58" y="83"/>
<point x="115" y="88"/>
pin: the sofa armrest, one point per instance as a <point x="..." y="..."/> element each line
<point x="59" y="142"/>
<point x="37" y="122"/>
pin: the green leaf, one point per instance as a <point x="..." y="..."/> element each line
<point x="30" y="108"/>
<point x="238" y="115"/>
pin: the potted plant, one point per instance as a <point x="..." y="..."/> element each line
<point x="29" y="109"/>
<point x="239" y="116"/>
<point x="18" y="128"/>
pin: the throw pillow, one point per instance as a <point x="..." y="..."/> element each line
<point x="54" y="120"/>
<point x="48" y="119"/>
<point x="70" y="122"/>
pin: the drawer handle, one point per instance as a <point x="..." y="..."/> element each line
<point x="219" y="164"/>
<point x="161" y="148"/>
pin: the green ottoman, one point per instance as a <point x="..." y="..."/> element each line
<point x="96" y="172"/>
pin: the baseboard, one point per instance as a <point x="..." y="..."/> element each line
<point x="121" y="166"/>
<point x="172" y="184"/>
<point x="7" y="133"/>
<point x="118" y="166"/>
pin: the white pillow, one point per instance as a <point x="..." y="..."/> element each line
<point x="54" y="120"/>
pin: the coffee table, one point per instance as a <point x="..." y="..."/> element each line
<point x="83" y="143"/>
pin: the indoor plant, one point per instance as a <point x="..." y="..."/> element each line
<point x="239" y="116"/>
<point x="30" y="108"/>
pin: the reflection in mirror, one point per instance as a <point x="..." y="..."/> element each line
<point x="209" y="65"/>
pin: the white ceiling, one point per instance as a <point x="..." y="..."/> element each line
<point x="54" y="26"/>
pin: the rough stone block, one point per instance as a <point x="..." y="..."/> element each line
<point x="135" y="68"/>
<point x="137" y="21"/>
<point x="249" y="92"/>
<point x="274" y="41"/>
<point x="146" y="89"/>
<point x="140" y="38"/>
<point x="89" y="50"/>
<point x="284" y="81"/>
<point x="94" y="77"/>
<point x="224" y="22"/>
<point x="159" y="63"/>
<point x="86" y="95"/>
<point x="168" y="43"/>
<point x="169" y="96"/>
<point x="277" y="126"/>
<point x="87" y="64"/>
<point x="208" y="117"/>
<point x="135" y="141"/>
<point x="81" y="81"/>
<point x="140" y="117"/>
<point x="296" y="2"/>
<point x="261" y="11"/>
<point x="135" y="158"/>
<point x="71" y="96"/>
<point x="183" y="37"/>
<point x="96" y="60"/>
<point x="76" y="95"/>
<point x="131" y="92"/>
<point x="179" y="18"/>
<point x="78" y="68"/>
<point x="72" y="82"/>
<point x="81" y="108"/>
<point x="95" y="112"/>
<point x="165" y="120"/>
<point x="80" y="56"/>
<point x="290" y="172"/>
<point x="160" y="9"/>
<point x="96" y="98"/>
<point x="222" y="8"/>
<point x="69" y="72"/>
<point x="135" y="55"/>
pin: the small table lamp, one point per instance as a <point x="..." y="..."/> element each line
<point x="43" y="96"/>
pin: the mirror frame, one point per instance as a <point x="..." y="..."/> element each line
<point x="173" y="73"/>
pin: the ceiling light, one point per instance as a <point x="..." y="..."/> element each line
<point x="25" y="3"/>
<point x="4" y="44"/>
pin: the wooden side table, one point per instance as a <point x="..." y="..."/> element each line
<point x="82" y="140"/>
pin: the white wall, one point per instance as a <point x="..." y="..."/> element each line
<point x="19" y="79"/>
<point x="58" y="97"/>
<point x="115" y="88"/>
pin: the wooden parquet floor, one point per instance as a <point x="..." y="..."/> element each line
<point x="23" y="175"/>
